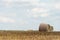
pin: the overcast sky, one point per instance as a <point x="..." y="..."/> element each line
<point x="28" y="14"/>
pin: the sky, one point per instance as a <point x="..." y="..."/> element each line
<point x="28" y="14"/>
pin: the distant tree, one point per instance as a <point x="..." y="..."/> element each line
<point x="29" y="30"/>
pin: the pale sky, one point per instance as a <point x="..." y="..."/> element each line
<point x="28" y="14"/>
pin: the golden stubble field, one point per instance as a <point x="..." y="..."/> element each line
<point x="29" y="35"/>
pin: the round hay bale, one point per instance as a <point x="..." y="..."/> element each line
<point x="45" y="27"/>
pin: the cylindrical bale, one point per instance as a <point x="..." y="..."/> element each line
<point x="51" y="28"/>
<point x="45" y="27"/>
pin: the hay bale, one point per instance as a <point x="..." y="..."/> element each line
<point x="45" y="27"/>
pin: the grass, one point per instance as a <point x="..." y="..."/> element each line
<point x="29" y="35"/>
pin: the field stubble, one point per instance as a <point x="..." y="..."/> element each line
<point x="19" y="35"/>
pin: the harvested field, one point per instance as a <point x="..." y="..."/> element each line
<point x="29" y="35"/>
